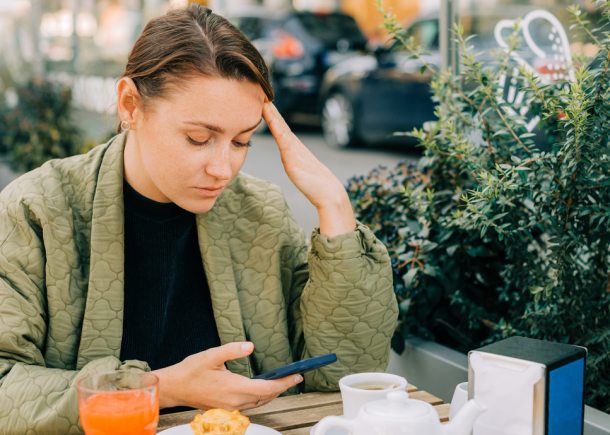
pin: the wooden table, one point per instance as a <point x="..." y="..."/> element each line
<point x="295" y="415"/>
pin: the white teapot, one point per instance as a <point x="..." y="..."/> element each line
<point x="399" y="415"/>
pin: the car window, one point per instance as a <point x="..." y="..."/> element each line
<point x="425" y="34"/>
<point x="331" y="28"/>
<point x="252" y="26"/>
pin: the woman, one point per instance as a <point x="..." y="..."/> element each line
<point x="100" y="255"/>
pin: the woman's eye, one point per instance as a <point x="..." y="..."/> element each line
<point x="194" y="142"/>
<point x="243" y="144"/>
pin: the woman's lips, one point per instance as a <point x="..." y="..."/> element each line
<point x="209" y="192"/>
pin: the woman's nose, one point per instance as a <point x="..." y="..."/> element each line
<point x="220" y="165"/>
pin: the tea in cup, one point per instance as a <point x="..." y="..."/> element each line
<point x="362" y="388"/>
<point x="375" y="386"/>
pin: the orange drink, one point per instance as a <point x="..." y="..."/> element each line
<point x="119" y="403"/>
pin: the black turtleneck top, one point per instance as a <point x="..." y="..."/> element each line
<point x="167" y="307"/>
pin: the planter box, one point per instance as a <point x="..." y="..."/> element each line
<point x="438" y="369"/>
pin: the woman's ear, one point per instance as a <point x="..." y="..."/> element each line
<point x="127" y="98"/>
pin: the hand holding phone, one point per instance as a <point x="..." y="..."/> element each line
<point x="299" y="367"/>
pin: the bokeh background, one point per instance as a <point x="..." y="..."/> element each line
<point x="83" y="45"/>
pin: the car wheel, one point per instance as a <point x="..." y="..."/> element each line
<point x="338" y="121"/>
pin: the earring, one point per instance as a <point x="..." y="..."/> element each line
<point x="125" y="126"/>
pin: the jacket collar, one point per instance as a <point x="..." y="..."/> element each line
<point x="103" y="319"/>
<point x="218" y="265"/>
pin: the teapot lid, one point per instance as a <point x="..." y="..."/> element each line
<point x="397" y="404"/>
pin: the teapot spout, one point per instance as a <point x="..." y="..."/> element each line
<point x="463" y="422"/>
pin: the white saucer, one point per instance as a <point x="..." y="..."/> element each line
<point x="253" y="429"/>
<point x="331" y="431"/>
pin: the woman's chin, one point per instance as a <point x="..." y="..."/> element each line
<point x="197" y="205"/>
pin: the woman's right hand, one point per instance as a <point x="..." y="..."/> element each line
<point x="202" y="381"/>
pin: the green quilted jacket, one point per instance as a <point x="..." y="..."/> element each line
<point x="61" y="287"/>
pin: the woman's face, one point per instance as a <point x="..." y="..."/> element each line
<point x="187" y="148"/>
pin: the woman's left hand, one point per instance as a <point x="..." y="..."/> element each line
<point x="311" y="177"/>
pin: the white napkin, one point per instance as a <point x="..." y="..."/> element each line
<point x="507" y="390"/>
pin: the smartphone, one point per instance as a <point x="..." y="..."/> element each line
<point x="299" y="367"/>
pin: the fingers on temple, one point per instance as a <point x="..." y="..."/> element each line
<point x="281" y="135"/>
<point x="277" y="117"/>
<point x="279" y="128"/>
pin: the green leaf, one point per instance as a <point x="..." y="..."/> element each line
<point x="451" y="250"/>
<point x="404" y="306"/>
<point x="414" y="226"/>
<point x="431" y="270"/>
<point x="408" y="277"/>
<point x="446" y="236"/>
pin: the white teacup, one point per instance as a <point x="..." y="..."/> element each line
<point x="460" y="398"/>
<point x="354" y="398"/>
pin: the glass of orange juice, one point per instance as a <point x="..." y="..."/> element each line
<point x="120" y="402"/>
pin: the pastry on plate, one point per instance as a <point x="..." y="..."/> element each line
<point x="220" y="422"/>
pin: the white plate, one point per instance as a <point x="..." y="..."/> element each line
<point x="253" y="429"/>
<point x="331" y="431"/>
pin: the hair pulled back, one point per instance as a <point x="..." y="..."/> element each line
<point x="187" y="42"/>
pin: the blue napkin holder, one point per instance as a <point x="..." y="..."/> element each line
<point x="558" y="405"/>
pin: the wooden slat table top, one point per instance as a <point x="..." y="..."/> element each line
<point x="295" y="415"/>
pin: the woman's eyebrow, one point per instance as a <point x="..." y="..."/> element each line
<point x="219" y="129"/>
<point x="253" y="127"/>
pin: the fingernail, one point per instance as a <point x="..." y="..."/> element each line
<point x="246" y="347"/>
<point x="298" y="379"/>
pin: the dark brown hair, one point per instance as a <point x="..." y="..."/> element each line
<point x="187" y="42"/>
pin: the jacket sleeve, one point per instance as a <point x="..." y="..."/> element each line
<point x="343" y="302"/>
<point x="34" y="398"/>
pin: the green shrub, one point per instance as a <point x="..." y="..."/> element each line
<point x="3" y="125"/>
<point x="491" y="237"/>
<point x="40" y="128"/>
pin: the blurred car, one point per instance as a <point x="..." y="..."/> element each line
<point x="368" y="98"/>
<point x="299" y="47"/>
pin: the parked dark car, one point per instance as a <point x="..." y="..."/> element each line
<point x="368" y="98"/>
<point x="299" y="47"/>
